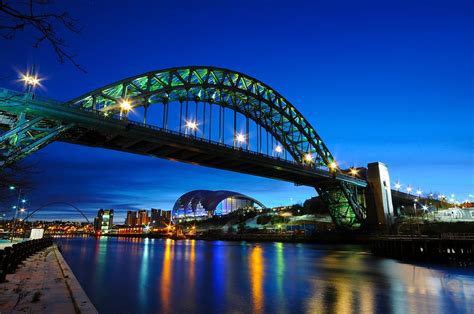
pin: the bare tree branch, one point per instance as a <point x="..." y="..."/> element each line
<point x="17" y="16"/>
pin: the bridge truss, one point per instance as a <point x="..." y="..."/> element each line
<point x="225" y="111"/>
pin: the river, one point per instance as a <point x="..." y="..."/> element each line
<point x="188" y="276"/>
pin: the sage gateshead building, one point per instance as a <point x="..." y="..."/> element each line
<point x="204" y="203"/>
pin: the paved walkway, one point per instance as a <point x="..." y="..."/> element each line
<point x="44" y="284"/>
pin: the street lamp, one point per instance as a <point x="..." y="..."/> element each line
<point x="191" y="125"/>
<point x="240" y="138"/>
<point x="409" y="189"/>
<point x="30" y="81"/>
<point x="15" y="207"/>
<point x="125" y="105"/>
<point x="333" y="165"/>
<point x="308" y="157"/>
<point x="397" y="188"/>
<point x="354" y="172"/>
<point x="278" y="149"/>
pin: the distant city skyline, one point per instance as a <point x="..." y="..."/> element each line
<point x="389" y="82"/>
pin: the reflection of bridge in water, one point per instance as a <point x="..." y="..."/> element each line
<point x="202" y="115"/>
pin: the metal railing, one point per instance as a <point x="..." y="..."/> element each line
<point x="460" y="236"/>
<point x="126" y="122"/>
<point x="11" y="257"/>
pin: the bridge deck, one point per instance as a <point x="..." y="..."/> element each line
<point x="93" y="129"/>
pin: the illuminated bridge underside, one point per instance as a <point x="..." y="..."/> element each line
<point x="95" y="119"/>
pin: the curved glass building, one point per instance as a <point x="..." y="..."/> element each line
<point x="205" y="203"/>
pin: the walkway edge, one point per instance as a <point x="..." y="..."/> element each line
<point x="82" y="303"/>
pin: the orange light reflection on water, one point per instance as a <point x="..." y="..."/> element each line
<point x="166" y="276"/>
<point x="256" y="267"/>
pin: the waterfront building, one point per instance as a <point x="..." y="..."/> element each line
<point x="143" y="219"/>
<point x="160" y="217"/>
<point x="104" y="220"/>
<point x="131" y="219"/>
<point x="204" y="203"/>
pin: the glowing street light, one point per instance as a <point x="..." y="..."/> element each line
<point x="354" y="171"/>
<point x="398" y="186"/>
<point x="192" y="125"/>
<point x="30" y="80"/>
<point x="278" y="149"/>
<point x="333" y="165"/>
<point x="409" y="189"/>
<point x="125" y="105"/>
<point x="11" y="187"/>
<point x="418" y="192"/>
<point x="308" y="157"/>
<point x="23" y="201"/>
<point x="22" y="210"/>
<point x="240" y="138"/>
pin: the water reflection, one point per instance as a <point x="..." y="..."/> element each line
<point x="166" y="283"/>
<point x="144" y="270"/>
<point x="280" y="273"/>
<point x="167" y="276"/>
<point x="256" y="278"/>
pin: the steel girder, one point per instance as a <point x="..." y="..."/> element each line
<point x="26" y="133"/>
<point x="218" y="86"/>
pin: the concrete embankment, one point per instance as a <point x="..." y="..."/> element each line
<point x="455" y="250"/>
<point x="326" y="238"/>
<point x="44" y="283"/>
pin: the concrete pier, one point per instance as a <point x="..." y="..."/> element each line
<point x="44" y="284"/>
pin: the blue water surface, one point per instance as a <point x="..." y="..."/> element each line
<point x="123" y="275"/>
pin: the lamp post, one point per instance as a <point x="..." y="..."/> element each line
<point x="12" y="188"/>
<point x="278" y="150"/>
<point x="191" y="125"/>
<point x="30" y="80"/>
<point x="416" y="216"/>
<point x="397" y="188"/>
<point x="125" y="106"/>
<point x="240" y="138"/>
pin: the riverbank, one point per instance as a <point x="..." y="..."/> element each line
<point x="454" y="249"/>
<point x="44" y="283"/>
<point x="323" y="238"/>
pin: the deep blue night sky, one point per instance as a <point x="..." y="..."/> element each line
<point x="388" y="81"/>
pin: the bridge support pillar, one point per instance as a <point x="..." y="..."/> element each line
<point x="379" y="196"/>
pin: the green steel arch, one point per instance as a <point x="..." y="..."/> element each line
<point x="249" y="97"/>
<point x="219" y="86"/>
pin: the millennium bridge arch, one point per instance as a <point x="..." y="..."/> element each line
<point x="55" y="204"/>
<point x="203" y="115"/>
